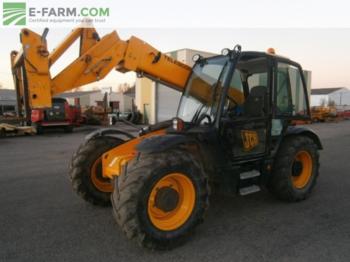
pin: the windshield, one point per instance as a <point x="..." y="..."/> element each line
<point x="202" y="94"/>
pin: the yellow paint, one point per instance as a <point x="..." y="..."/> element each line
<point x="102" y="184"/>
<point x="175" y="218"/>
<point x="114" y="159"/>
<point x="95" y="61"/>
<point x="250" y="139"/>
<point x="303" y="178"/>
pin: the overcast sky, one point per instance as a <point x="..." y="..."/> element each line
<point x="213" y="25"/>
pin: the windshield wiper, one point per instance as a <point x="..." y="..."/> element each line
<point x="196" y="114"/>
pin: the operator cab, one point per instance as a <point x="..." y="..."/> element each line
<point x="247" y="96"/>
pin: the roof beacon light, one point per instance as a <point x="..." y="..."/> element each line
<point x="271" y="51"/>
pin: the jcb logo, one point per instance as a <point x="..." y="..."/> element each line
<point x="250" y="139"/>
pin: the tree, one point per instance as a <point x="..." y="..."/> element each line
<point x="125" y="87"/>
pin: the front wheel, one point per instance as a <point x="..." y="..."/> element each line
<point x="160" y="198"/>
<point x="295" y="170"/>
<point x="86" y="170"/>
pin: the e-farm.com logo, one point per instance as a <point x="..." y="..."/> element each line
<point x="14" y="13"/>
<point x="19" y="14"/>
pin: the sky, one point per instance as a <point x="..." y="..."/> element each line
<point x="314" y="33"/>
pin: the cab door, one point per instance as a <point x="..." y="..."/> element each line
<point x="245" y="126"/>
<point x="290" y="96"/>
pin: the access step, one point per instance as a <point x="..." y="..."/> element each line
<point x="249" y="174"/>
<point x="249" y="190"/>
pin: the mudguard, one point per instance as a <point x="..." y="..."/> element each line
<point x="302" y="130"/>
<point x="161" y="143"/>
<point x="108" y="132"/>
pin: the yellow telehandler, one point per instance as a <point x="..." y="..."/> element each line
<point x="233" y="131"/>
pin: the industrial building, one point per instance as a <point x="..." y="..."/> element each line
<point x="7" y="101"/>
<point x="340" y="96"/>
<point x="117" y="100"/>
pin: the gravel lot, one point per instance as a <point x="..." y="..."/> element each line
<point x="42" y="219"/>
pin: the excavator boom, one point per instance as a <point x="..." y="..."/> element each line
<point x="97" y="57"/>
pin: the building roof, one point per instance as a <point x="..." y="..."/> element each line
<point x="7" y="94"/>
<point x="325" y="91"/>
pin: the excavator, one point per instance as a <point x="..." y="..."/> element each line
<point x="233" y="132"/>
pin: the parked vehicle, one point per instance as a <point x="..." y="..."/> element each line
<point x="323" y="113"/>
<point x="61" y="114"/>
<point x="232" y="132"/>
<point x="344" y="114"/>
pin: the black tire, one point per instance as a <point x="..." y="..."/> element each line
<point x="2" y="132"/>
<point x="81" y="165"/>
<point x="281" y="181"/>
<point x="114" y="120"/>
<point x="68" y="129"/>
<point x="132" y="189"/>
<point x="39" y="129"/>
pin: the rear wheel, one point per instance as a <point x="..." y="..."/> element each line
<point x="86" y="170"/>
<point x="295" y="170"/>
<point x="68" y="129"/>
<point x="160" y="198"/>
<point x="2" y="132"/>
<point x="39" y="129"/>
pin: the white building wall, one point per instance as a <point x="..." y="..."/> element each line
<point x="145" y="98"/>
<point x="94" y="97"/>
<point x="90" y="99"/>
<point x="340" y="97"/>
<point x="316" y="100"/>
<point x="125" y="102"/>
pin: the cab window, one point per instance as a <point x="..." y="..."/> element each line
<point x="290" y="94"/>
<point x="247" y="93"/>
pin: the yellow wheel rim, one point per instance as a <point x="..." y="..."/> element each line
<point x="301" y="169"/>
<point x="171" y="201"/>
<point x="101" y="183"/>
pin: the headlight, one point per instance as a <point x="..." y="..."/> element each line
<point x="178" y="124"/>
